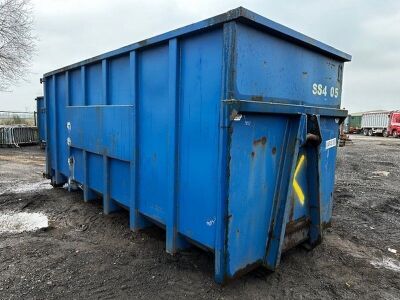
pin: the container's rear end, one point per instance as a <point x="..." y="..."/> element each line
<point x="283" y="126"/>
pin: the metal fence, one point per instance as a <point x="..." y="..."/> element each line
<point x="17" y="118"/>
<point x="18" y="128"/>
<point x="16" y="135"/>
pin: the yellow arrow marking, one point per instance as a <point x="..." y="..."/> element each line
<point x="296" y="186"/>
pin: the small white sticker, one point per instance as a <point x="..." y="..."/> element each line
<point x="330" y="143"/>
<point x="211" y="222"/>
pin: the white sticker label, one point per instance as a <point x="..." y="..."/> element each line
<point x="330" y="143"/>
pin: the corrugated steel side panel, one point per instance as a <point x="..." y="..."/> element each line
<point x="375" y="120"/>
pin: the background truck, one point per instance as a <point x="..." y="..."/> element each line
<point x="352" y="124"/>
<point x="386" y="123"/>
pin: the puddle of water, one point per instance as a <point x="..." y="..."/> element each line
<point x="27" y="187"/>
<point x="20" y="222"/>
<point x="387" y="263"/>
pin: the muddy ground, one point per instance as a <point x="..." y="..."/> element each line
<point x="84" y="254"/>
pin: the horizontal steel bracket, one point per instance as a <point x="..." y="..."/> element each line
<point x="244" y="106"/>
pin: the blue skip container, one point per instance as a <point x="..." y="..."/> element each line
<point x="223" y="132"/>
<point x="41" y="119"/>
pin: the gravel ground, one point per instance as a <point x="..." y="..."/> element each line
<point x="84" y="254"/>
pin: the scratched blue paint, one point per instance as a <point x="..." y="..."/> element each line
<point x="78" y="166"/>
<point x="328" y="165"/>
<point x="271" y="57"/>
<point x="199" y="114"/>
<point x="254" y="165"/>
<point x="199" y="131"/>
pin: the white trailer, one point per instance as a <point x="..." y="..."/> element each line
<point x="375" y="122"/>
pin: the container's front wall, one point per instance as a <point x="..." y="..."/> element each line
<point x="269" y="68"/>
<point x="106" y="108"/>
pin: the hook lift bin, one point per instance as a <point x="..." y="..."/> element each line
<point x="223" y="132"/>
<point x="41" y="120"/>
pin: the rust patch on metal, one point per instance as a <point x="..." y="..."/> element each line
<point x="294" y="239"/>
<point x="291" y="208"/>
<point x="243" y="271"/>
<point x="296" y="225"/>
<point x="261" y="141"/>
<point x="296" y="233"/>
<point x="326" y="225"/>
<point x="233" y="115"/>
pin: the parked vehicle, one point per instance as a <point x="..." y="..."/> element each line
<point x="352" y="124"/>
<point x="386" y="123"/>
<point x="394" y="125"/>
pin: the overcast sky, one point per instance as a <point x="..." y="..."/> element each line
<point x="72" y="30"/>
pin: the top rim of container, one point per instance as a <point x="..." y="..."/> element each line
<point x="241" y="14"/>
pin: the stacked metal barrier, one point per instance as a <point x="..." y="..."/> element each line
<point x="15" y="135"/>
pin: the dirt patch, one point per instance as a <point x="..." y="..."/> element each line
<point x="84" y="254"/>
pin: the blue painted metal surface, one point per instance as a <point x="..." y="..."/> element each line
<point x="41" y="118"/>
<point x="223" y="132"/>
